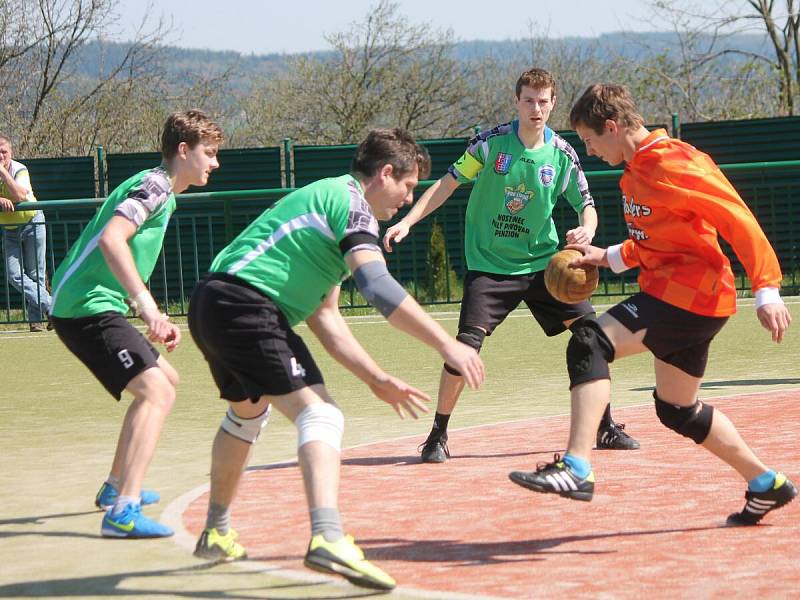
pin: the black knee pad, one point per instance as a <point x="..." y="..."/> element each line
<point x="693" y="422"/>
<point x="588" y="353"/>
<point x="472" y="337"/>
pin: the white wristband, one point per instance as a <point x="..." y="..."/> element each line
<point x="768" y="295"/>
<point x="614" y="257"/>
<point x="144" y="302"/>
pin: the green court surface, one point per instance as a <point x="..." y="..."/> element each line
<point x="59" y="429"/>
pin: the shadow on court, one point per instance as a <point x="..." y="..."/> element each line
<point x="472" y="553"/>
<point x="382" y="461"/>
<point x="43" y="520"/>
<point x="711" y="385"/>
<point x="40" y="520"/>
<point x="118" y="585"/>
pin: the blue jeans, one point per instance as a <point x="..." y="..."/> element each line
<point x="24" y="250"/>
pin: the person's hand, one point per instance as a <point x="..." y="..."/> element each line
<point x="160" y="329"/>
<point x="466" y="361"/>
<point x="580" y="235"/>
<point x="775" y="318"/>
<point x="6" y="205"/>
<point x="396" y="233"/>
<point x="591" y="255"/>
<point x="403" y="398"/>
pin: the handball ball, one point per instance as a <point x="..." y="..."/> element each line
<point x="567" y="284"/>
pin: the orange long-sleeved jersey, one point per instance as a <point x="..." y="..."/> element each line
<point x="675" y="200"/>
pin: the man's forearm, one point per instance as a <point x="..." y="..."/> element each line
<point x="411" y="319"/>
<point x="338" y="340"/>
<point x="16" y="192"/>
<point x="588" y="218"/>
<point x="433" y="198"/>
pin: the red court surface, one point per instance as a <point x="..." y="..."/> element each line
<point x="655" y="526"/>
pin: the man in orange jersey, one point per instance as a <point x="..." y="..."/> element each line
<point x="675" y="200"/>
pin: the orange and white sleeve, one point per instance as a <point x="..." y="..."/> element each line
<point x="622" y="257"/>
<point x="709" y="193"/>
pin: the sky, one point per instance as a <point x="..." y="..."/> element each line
<point x="289" y="26"/>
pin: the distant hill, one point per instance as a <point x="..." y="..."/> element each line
<point x="181" y="63"/>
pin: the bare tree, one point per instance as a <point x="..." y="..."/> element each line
<point x="382" y="71"/>
<point x="49" y="100"/>
<point x="713" y="22"/>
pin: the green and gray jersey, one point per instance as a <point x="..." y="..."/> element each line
<point x="294" y="251"/>
<point x="509" y="225"/>
<point x="83" y="284"/>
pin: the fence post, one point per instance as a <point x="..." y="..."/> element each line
<point x="101" y="173"/>
<point x="676" y="126"/>
<point x="287" y="162"/>
<point x="227" y="210"/>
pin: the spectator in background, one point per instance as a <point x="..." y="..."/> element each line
<point x="24" y="237"/>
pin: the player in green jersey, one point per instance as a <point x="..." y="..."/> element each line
<point x="105" y="269"/>
<point x="520" y="169"/>
<point x="285" y="268"/>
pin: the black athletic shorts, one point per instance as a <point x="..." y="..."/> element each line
<point x="110" y="346"/>
<point x="489" y="298"/>
<point x="674" y="335"/>
<point x="247" y="341"/>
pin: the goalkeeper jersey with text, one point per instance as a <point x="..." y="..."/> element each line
<point x="83" y="285"/>
<point x="294" y="251"/>
<point x="509" y="225"/>
<point x="676" y="200"/>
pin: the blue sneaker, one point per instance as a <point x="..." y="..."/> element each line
<point x="131" y="523"/>
<point x="107" y="496"/>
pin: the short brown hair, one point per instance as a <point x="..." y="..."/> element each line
<point x="603" y="102"/>
<point x="538" y="79"/>
<point x="191" y="126"/>
<point x="394" y="147"/>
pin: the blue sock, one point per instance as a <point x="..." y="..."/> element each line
<point x="579" y="466"/>
<point x="763" y="482"/>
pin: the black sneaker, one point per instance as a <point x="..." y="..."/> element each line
<point x="613" y="437"/>
<point x="760" y="503"/>
<point x="555" y="478"/>
<point x="434" y="449"/>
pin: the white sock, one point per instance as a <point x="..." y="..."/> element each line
<point x="122" y="503"/>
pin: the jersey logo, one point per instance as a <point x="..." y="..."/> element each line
<point x="517" y="198"/>
<point x="546" y="175"/>
<point x="502" y="163"/>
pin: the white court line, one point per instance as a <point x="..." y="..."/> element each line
<point x="173" y="513"/>
<point x="172" y="517"/>
<point x="446" y="315"/>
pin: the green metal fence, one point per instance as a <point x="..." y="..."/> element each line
<point x="208" y="218"/>
<point x="205" y="221"/>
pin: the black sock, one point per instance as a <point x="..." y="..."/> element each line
<point x="440" y="423"/>
<point x="607" y="420"/>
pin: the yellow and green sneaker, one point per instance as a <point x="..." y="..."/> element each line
<point x="343" y="557"/>
<point x="212" y="545"/>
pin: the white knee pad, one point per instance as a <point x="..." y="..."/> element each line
<point x="320" y="422"/>
<point x="246" y="430"/>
